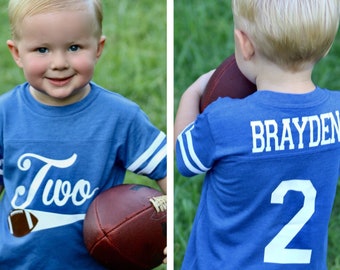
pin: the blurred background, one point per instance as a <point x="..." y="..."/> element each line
<point x="203" y="39"/>
<point x="133" y="63"/>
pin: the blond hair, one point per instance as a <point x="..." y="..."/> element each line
<point x="19" y="9"/>
<point x="290" y="33"/>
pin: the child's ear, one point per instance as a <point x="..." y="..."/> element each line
<point x="244" y="43"/>
<point x="100" y="47"/>
<point x="15" y="52"/>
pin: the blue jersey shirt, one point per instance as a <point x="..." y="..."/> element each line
<point x="55" y="161"/>
<point x="272" y="163"/>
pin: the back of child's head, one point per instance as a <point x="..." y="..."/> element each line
<point x="289" y="33"/>
<point x="19" y="9"/>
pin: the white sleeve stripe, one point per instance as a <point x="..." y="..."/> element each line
<point x="154" y="162"/>
<point x="186" y="161"/>
<point x="148" y="153"/>
<point x="193" y="153"/>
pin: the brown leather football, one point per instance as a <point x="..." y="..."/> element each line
<point x="226" y="81"/>
<point x="125" y="227"/>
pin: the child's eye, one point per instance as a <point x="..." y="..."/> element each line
<point x="42" y="50"/>
<point x="74" y="48"/>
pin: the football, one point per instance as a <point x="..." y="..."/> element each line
<point x="226" y="81"/>
<point x="125" y="227"/>
<point x="21" y="222"/>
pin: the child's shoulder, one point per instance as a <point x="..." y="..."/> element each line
<point x="265" y="103"/>
<point x="11" y="96"/>
<point x="332" y="97"/>
<point x="334" y="92"/>
<point x="106" y="97"/>
<point x="227" y="106"/>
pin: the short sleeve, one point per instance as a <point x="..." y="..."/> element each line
<point x="195" y="148"/>
<point x="146" y="148"/>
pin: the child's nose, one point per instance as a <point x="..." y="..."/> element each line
<point x="59" y="61"/>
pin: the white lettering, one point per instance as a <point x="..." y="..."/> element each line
<point x="325" y="128"/>
<point x="291" y="133"/>
<point x="335" y="123"/>
<point x="57" y="191"/>
<point x="315" y="130"/>
<point x="258" y="136"/>
<point x="271" y="132"/>
<point x="300" y="129"/>
<point x="286" y="135"/>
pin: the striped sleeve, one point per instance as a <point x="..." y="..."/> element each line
<point x="144" y="147"/>
<point x="193" y="153"/>
<point x="148" y="161"/>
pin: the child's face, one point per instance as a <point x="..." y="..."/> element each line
<point x="58" y="52"/>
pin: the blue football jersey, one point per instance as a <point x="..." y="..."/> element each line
<point x="55" y="160"/>
<point x="272" y="163"/>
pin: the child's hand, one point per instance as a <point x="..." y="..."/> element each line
<point x="165" y="253"/>
<point x="189" y="105"/>
<point x="201" y="83"/>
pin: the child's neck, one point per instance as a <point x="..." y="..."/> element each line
<point x="44" y="98"/>
<point x="276" y="79"/>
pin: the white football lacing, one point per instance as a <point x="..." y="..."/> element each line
<point x="159" y="203"/>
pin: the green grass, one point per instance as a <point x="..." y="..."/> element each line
<point x="133" y="63"/>
<point x="203" y="38"/>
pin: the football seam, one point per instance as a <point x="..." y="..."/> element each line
<point x="130" y="218"/>
<point x="98" y="225"/>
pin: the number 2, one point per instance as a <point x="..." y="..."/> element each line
<point x="276" y="251"/>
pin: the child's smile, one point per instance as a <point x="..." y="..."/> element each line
<point x="57" y="52"/>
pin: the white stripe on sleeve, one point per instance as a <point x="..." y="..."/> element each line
<point x="185" y="158"/>
<point x="193" y="153"/>
<point x="148" y="153"/>
<point x="154" y="162"/>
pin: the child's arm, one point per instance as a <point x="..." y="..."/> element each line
<point x="189" y="104"/>
<point x="162" y="184"/>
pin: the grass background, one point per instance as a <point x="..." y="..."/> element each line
<point x="203" y="38"/>
<point x="133" y="63"/>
